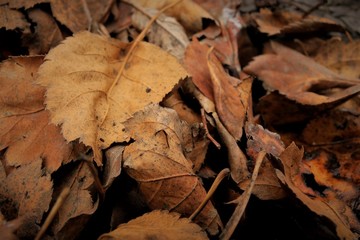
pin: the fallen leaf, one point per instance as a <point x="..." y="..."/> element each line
<point x="231" y="96"/>
<point x="291" y="159"/>
<point x="188" y="13"/>
<point x="292" y="23"/>
<point x="342" y="58"/>
<point x="22" y="3"/>
<point x="27" y="187"/>
<point x="12" y="19"/>
<point x="25" y="131"/>
<point x="8" y="228"/>
<point x="300" y="78"/>
<point x="156" y="161"/>
<point x="148" y="225"/>
<point x="267" y="185"/>
<point x="76" y="15"/>
<point x="166" y="32"/>
<point x="83" y="96"/>
<point x="112" y="168"/>
<point x="47" y="33"/>
<point x="80" y="204"/>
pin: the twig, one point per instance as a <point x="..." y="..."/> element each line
<point x="322" y="2"/>
<point x="222" y="174"/>
<point x="59" y="202"/>
<point x="242" y="201"/>
<point x="207" y="131"/>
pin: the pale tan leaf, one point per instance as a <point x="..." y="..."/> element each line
<point x="156" y="161"/>
<point x="166" y="32"/>
<point x="11" y="19"/>
<point x="157" y="224"/>
<point x="187" y="12"/>
<point x="83" y="96"/>
<point x="22" y="3"/>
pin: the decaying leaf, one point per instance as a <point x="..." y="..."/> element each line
<point x="22" y="3"/>
<point x="24" y="124"/>
<point x="47" y="33"/>
<point x="78" y="15"/>
<point x="79" y="205"/>
<point x="157" y="225"/>
<point x="342" y="58"/>
<point x="300" y="78"/>
<point x="11" y="19"/>
<point x="291" y="158"/>
<point x="156" y="161"/>
<point x="112" y="167"/>
<point x="187" y="12"/>
<point x="29" y="189"/>
<point x="292" y="23"/>
<point x="84" y="97"/>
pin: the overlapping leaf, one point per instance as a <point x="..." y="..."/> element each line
<point x="156" y="161"/>
<point x="84" y="96"/>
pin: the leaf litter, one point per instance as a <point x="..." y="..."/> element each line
<point x="154" y="99"/>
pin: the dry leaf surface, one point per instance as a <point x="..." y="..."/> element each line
<point x="156" y="161"/>
<point x="83" y="96"/>
<point x="157" y="224"/>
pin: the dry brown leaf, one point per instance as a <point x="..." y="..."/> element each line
<point x="24" y="124"/>
<point x="166" y="32"/>
<point x="292" y="23"/>
<point x="80" y="204"/>
<point x="112" y="168"/>
<point x="342" y="58"/>
<point x="11" y="19"/>
<point x="300" y="78"/>
<point x="156" y="161"/>
<point x="22" y="3"/>
<point x="188" y="13"/>
<point x="267" y="185"/>
<point x="76" y="15"/>
<point x="231" y="96"/>
<point x="46" y="34"/>
<point x="8" y="228"/>
<point x="291" y="159"/>
<point x="157" y="224"/>
<point x="83" y="96"/>
<point x="196" y="63"/>
<point x="29" y="189"/>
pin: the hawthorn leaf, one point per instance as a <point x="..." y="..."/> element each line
<point x="25" y="131"/>
<point x="157" y="225"/>
<point x="156" y="161"/>
<point x="84" y="95"/>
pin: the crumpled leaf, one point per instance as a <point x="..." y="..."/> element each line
<point x="84" y="98"/>
<point x="156" y="161"/>
<point x="29" y="188"/>
<point x="24" y="124"/>
<point x="112" y="168"/>
<point x="291" y="158"/>
<point x="148" y="226"/>
<point x="166" y="32"/>
<point x="300" y="78"/>
<point x="80" y="204"/>
<point x="188" y="13"/>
